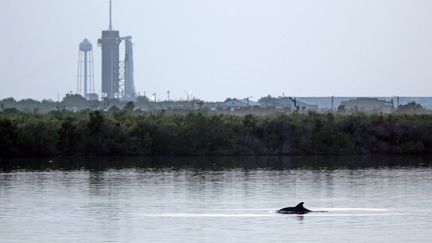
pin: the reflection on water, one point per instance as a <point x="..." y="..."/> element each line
<point x="366" y="199"/>
<point x="216" y="163"/>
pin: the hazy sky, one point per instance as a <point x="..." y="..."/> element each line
<point x="225" y="48"/>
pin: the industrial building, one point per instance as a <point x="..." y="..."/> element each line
<point x="367" y="105"/>
<point x="235" y="104"/>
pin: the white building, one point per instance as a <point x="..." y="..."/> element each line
<point x="367" y="105"/>
<point x="235" y="104"/>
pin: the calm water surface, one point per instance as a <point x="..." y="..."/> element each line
<point x="385" y="199"/>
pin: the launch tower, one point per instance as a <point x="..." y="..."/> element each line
<point x="117" y="76"/>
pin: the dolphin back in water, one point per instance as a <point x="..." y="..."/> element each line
<point x="299" y="209"/>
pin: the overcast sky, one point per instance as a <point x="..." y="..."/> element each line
<point x="225" y="48"/>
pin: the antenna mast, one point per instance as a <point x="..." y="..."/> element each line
<point x="110" y="15"/>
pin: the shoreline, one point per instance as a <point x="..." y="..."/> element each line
<point x="98" y="163"/>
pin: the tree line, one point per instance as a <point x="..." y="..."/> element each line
<point x="125" y="132"/>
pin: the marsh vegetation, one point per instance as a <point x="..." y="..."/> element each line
<point x="125" y="132"/>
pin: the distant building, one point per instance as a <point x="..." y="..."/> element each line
<point x="332" y="103"/>
<point x="213" y="106"/>
<point x="288" y="103"/>
<point x="235" y="104"/>
<point x="367" y="105"/>
<point x="175" y="105"/>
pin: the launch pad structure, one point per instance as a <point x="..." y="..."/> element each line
<point x="117" y="75"/>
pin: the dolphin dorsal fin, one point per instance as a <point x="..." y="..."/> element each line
<point x="300" y="205"/>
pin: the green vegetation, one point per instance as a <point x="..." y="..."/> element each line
<point x="125" y="132"/>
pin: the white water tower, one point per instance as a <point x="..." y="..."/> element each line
<point x="85" y="83"/>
